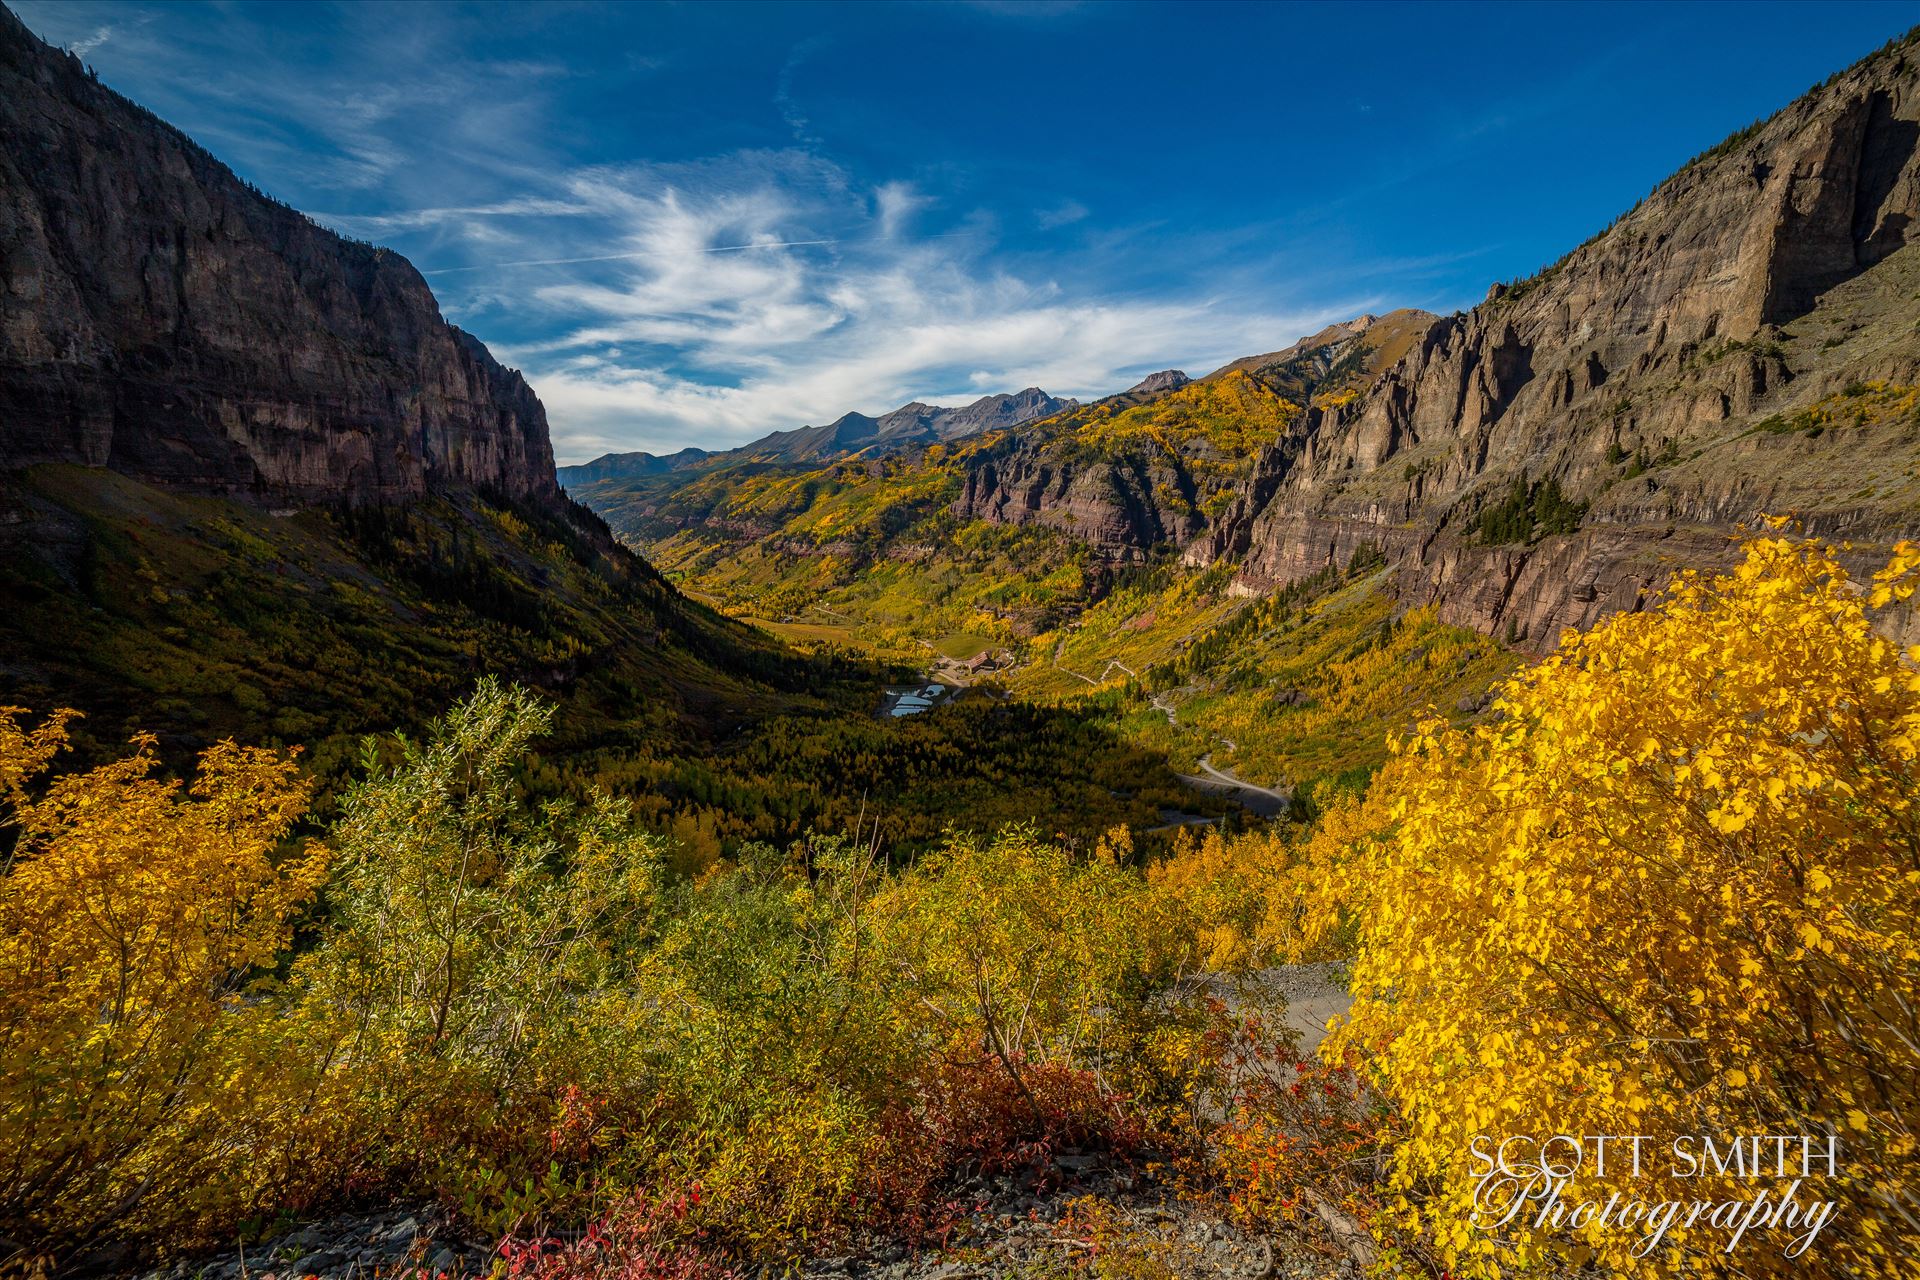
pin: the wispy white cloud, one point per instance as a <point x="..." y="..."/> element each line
<point x="783" y="92"/>
<point x="896" y="202"/>
<point x="92" y="40"/>
<point x="1063" y="214"/>
<point x="415" y="219"/>
<point x="400" y="118"/>
<point x="766" y="290"/>
<point x="622" y="257"/>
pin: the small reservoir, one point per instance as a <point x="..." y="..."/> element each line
<point x="911" y="699"/>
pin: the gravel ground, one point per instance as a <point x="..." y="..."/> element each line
<point x="1014" y="1232"/>
<point x="357" y="1246"/>
<point x="1315" y="994"/>
<point x="1012" y="1228"/>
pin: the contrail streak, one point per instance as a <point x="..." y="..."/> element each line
<point x="616" y="257"/>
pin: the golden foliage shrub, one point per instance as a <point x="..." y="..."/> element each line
<point x="131" y="917"/>
<point x="837" y="1041"/>
<point x="1670" y="890"/>
<point x="1224" y="886"/>
<point x="1015" y="947"/>
<point x="768" y="1043"/>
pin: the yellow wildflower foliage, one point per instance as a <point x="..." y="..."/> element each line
<point x="1223" y="886"/>
<point x="1016" y="946"/>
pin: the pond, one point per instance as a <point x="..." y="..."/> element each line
<point x="911" y="699"/>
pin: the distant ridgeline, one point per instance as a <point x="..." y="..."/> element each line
<point x="1741" y="342"/>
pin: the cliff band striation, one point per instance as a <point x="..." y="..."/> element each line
<point x="1651" y="382"/>
<point x="161" y="318"/>
<point x="1161" y="461"/>
<point x="253" y="485"/>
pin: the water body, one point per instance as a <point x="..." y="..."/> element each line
<point x="898" y="700"/>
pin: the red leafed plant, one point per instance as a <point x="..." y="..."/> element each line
<point x="1307" y="1140"/>
<point x="983" y="1118"/>
<point x="642" y="1238"/>
<point x="976" y="1117"/>
<point x="577" y="1117"/>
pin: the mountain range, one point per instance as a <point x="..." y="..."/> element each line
<point x="1740" y="343"/>
<point x="910" y="424"/>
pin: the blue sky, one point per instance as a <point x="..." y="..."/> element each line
<point x="694" y="223"/>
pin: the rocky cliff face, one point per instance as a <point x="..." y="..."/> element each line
<point x="1655" y="375"/>
<point x="1160" y="461"/>
<point x="1165" y="380"/>
<point x="1123" y="505"/>
<point x="161" y="318"/>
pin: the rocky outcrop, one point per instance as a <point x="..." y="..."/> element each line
<point x="1126" y="485"/>
<point x="1122" y="500"/>
<point x="1770" y="274"/>
<point x="161" y="318"/>
<point x="1165" y="380"/>
<point x="1117" y="504"/>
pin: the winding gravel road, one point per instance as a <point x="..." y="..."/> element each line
<point x="1264" y="801"/>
